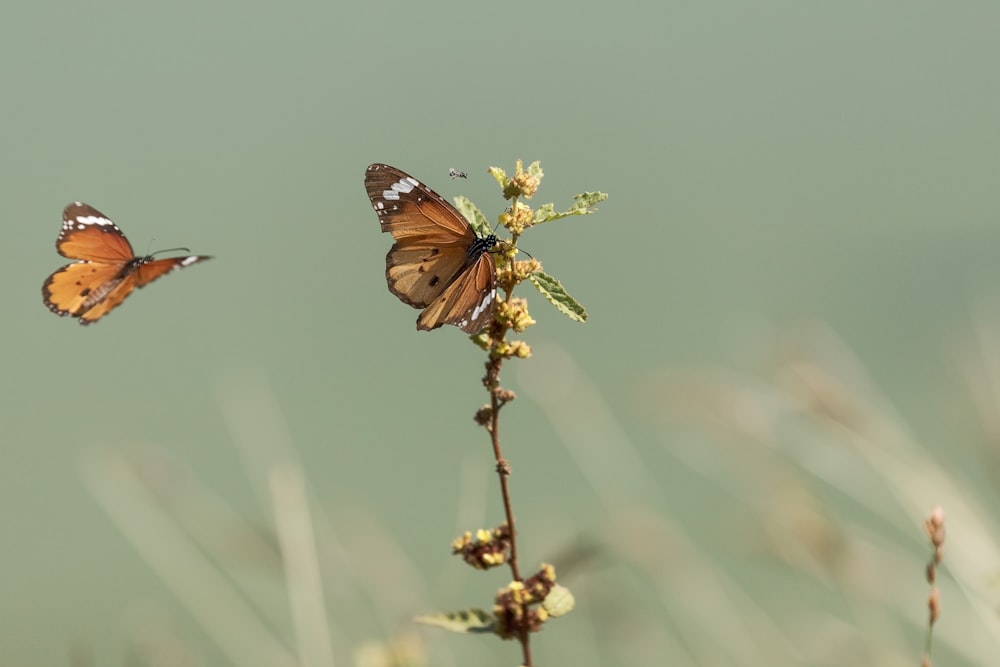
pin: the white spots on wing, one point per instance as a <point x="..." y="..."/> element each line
<point x="379" y="206"/>
<point x="188" y="261"/>
<point x="484" y="304"/>
<point x="404" y="186"/>
<point x="82" y="220"/>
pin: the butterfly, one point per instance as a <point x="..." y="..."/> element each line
<point x="438" y="262"/>
<point x="455" y="173"/>
<point x="107" y="270"/>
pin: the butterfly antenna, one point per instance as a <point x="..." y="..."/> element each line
<point x="171" y="250"/>
<point x="163" y="251"/>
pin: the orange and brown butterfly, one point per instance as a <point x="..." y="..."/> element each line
<point x="107" y="269"/>
<point x="438" y="262"/>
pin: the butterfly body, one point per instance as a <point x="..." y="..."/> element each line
<point x="107" y="270"/>
<point x="438" y="262"/>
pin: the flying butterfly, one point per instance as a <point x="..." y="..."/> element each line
<point x="437" y="262"/>
<point x="107" y="269"/>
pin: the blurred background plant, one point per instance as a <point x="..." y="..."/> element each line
<point x="802" y="543"/>
<point x="703" y="459"/>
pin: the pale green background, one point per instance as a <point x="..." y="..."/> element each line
<point x="768" y="163"/>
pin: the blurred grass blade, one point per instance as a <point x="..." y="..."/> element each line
<point x="220" y="610"/>
<point x="302" y="573"/>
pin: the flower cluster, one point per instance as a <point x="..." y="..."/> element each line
<point x="489" y="548"/>
<point x="516" y="606"/>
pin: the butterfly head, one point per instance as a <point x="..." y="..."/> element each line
<point x="481" y="245"/>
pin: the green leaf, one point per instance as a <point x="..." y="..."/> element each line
<point x="559" y="601"/>
<point x="500" y="175"/>
<point x="467" y="621"/>
<point x="535" y="169"/>
<point x="475" y="217"/>
<point x="546" y="212"/>
<point x="553" y="290"/>
<point x="584" y="205"/>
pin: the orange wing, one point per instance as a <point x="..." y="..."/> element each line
<point x="418" y="275"/>
<point x="112" y="299"/>
<point x="90" y="235"/>
<point x="150" y="269"/>
<point x="468" y="303"/>
<point x="411" y="211"/>
<point x="77" y="288"/>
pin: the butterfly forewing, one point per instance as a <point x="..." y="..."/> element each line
<point x="149" y="270"/>
<point x="408" y="208"/>
<point x="437" y="262"/>
<point x="88" y="234"/>
<point x="107" y="271"/>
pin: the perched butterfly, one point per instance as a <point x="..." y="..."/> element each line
<point x="455" y="173"/>
<point x="437" y="263"/>
<point x="107" y="270"/>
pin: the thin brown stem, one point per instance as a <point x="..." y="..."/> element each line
<point x="499" y="398"/>
<point x="503" y="472"/>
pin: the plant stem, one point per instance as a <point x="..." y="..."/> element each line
<point x="503" y="468"/>
<point x="503" y="472"/>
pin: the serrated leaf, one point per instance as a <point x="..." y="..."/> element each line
<point x="545" y="212"/>
<point x="584" y="205"/>
<point x="553" y="290"/>
<point x="499" y="174"/>
<point x="467" y="621"/>
<point x="559" y="601"/>
<point x="535" y="169"/>
<point x="475" y="217"/>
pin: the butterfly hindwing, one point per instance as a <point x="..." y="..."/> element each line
<point x="107" y="270"/>
<point x="468" y="303"/>
<point x="112" y="299"/>
<point x="437" y="261"/>
<point x="76" y="288"/>
<point x="418" y="276"/>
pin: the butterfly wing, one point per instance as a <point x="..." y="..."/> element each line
<point x="419" y="275"/>
<point x="437" y="260"/>
<point x="77" y="288"/>
<point x="116" y="293"/>
<point x="150" y="270"/>
<point x="468" y="302"/>
<point x="409" y="209"/>
<point x="89" y="235"/>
